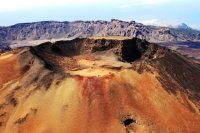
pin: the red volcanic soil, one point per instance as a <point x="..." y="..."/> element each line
<point x="9" y="67"/>
<point x="98" y="88"/>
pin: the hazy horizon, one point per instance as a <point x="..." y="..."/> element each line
<point x="154" y="12"/>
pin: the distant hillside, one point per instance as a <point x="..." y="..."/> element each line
<point x="56" y="30"/>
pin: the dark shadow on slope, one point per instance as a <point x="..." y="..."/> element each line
<point x="68" y="48"/>
<point x="130" y="51"/>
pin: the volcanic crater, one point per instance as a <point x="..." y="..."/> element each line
<point x="98" y="85"/>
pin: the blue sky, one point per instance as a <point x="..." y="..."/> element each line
<point x="157" y="12"/>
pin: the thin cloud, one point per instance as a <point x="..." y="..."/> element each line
<point x="13" y="5"/>
<point x="142" y="2"/>
<point x="125" y="6"/>
<point x="157" y="22"/>
<point x="166" y="23"/>
<point x="155" y="2"/>
<point x="195" y="27"/>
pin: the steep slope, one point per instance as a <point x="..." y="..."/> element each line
<point x="98" y="85"/>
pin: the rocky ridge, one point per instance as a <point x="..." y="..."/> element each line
<point x="80" y="29"/>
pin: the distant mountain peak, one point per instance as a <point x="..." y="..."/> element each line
<point x="183" y="26"/>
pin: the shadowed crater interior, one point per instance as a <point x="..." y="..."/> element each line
<point x="130" y="51"/>
<point x="128" y="121"/>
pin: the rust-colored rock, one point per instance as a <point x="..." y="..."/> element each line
<point x="98" y="86"/>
